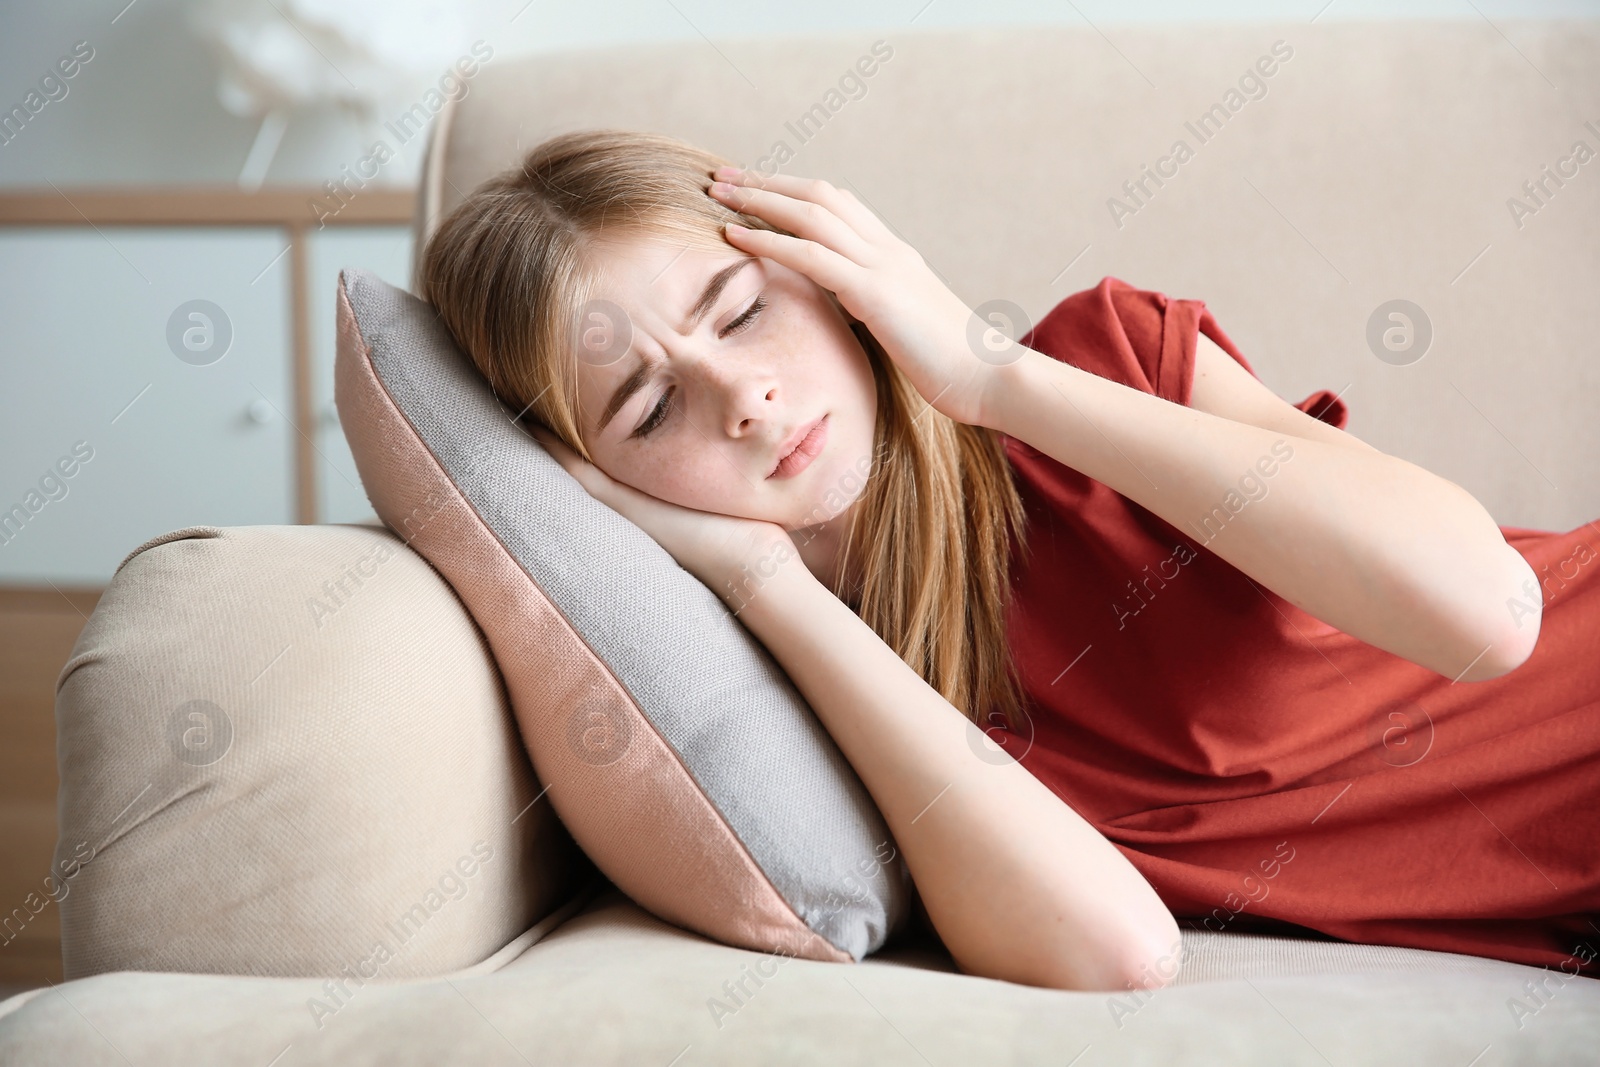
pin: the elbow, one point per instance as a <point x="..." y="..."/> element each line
<point x="1079" y="945"/>
<point x="1498" y="655"/>
<point x="1152" y="959"/>
<point x="1504" y="656"/>
<point x="1144" y="958"/>
<point x="1506" y="641"/>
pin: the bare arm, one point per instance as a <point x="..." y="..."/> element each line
<point x="1375" y="546"/>
<point x="1017" y="885"/>
<point x="1224" y="388"/>
<point x="1380" y="548"/>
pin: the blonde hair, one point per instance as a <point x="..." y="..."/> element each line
<point x="512" y="265"/>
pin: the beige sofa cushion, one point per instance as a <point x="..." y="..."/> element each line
<point x="614" y="985"/>
<point x="284" y="750"/>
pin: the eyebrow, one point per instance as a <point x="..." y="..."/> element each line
<point x="641" y="374"/>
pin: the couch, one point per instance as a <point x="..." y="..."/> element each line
<point x="256" y="790"/>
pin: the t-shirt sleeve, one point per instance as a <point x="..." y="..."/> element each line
<point x="1146" y="340"/>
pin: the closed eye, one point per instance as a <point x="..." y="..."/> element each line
<point x="658" y="414"/>
<point x="743" y="321"/>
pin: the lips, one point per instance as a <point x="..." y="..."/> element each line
<point x="801" y="447"/>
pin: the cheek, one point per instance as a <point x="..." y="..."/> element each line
<point x="829" y="367"/>
<point x="852" y="391"/>
<point x="686" y="472"/>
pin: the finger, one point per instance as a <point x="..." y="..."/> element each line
<point x="843" y="203"/>
<point x="807" y="218"/>
<point x="816" y="261"/>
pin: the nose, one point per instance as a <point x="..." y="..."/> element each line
<point x="743" y="395"/>
<point x="750" y="407"/>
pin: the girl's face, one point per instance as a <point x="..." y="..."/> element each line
<point x="731" y="361"/>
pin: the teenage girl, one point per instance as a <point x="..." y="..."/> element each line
<point x="1112" y="634"/>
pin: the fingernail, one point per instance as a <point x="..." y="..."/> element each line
<point x="734" y="227"/>
<point x="728" y="172"/>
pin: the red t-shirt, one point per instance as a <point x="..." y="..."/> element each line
<point x="1265" y="771"/>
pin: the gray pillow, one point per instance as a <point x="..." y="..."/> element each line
<point x="676" y="751"/>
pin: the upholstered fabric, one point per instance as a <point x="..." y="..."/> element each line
<point x="284" y="750"/>
<point x="1377" y="162"/>
<point x="678" y="754"/>
<point x="617" y="986"/>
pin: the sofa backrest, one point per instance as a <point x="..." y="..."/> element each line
<point x="1330" y="167"/>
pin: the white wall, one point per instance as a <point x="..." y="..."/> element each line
<point x="144" y="109"/>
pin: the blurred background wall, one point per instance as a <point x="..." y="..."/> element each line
<point x="146" y="108"/>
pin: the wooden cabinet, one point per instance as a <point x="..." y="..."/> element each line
<point x="90" y="374"/>
<point x="37" y="631"/>
<point x="386" y="252"/>
<point x="166" y="360"/>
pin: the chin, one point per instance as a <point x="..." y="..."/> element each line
<point x="839" y="490"/>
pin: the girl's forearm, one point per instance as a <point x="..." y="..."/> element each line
<point x="1367" y="542"/>
<point x="1017" y="884"/>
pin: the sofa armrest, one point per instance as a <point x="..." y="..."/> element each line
<point x="286" y="750"/>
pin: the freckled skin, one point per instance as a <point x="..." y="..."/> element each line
<point x="735" y="399"/>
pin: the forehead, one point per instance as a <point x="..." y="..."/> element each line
<point x="656" y="276"/>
